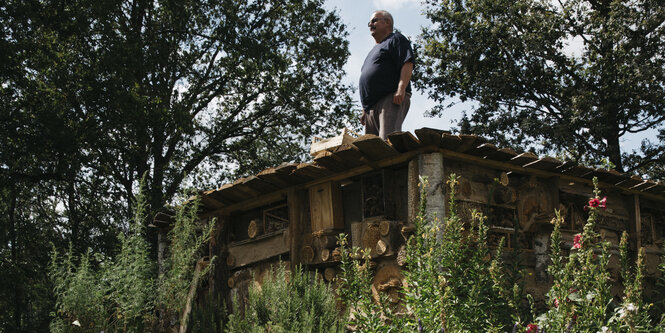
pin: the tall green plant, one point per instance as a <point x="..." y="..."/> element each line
<point x="105" y="294"/>
<point x="187" y="241"/>
<point x="287" y="302"/>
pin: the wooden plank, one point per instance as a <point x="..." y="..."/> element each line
<point x="287" y="170"/>
<point x="311" y="171"/>
<point x="483" y="150"/>
<point x="546" y="163"/>
<point x="243" y="189"/>
<point x="228" y="193"/>
<point x="502" y="155"/>
<point x="523" y="158"/>
<point x="260" y="185"/>
<point x="469" y="142"/>
<point x="349" y="155"/>
<point x="403" y="141"/>
<point x="450" y="141"/>
<point x="325" y="206"/>
<point x="609" y="176"/>
<point x="659" y="189"/>
<point x="271" y="176"/>
<point x="645" y="185"/>
<point x="329" y="161"/>
<point x="260" y="249"/>
<point x="576" y="171"/>
<point x="630" y="182"/>
<point x="429" y="136"/>
<point x="211" y="203"/>
<point x="374" y="147"/>
<point x="565" y="166"/>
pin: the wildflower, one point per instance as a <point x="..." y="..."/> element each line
<point x="603" y="203"/>
<point x="631" y="307"/>
<point x="556" y="302"/>
<point x="577" y="241"/>
<point x="76" y="323"/>
<point x="515" y="327"/>
<point x="532" y="328"/>
<point x="604" y="329"/>
<point x="420" y="325"/>
<point x="594" y="202"/>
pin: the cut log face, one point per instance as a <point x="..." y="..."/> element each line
<point x="329" y="274"/>
<point x="307" y="254"/>
<point x="326" y="242"/>
<point x="384" y="228"/>
<point x="325" y="254"/>
<point x="381" y="247"/>
<point x="230" y="260"/>
<point x="253" y="229"/>
<point x="401" y="256"/>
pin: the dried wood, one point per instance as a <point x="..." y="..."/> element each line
<point x="401" y="256"/>
<point x="253" y="229"/>
<point x="307" y="254"/>
<point x="325" y="254"/>
<point x="385" y="227"/>
<point x="230" y="260"/>
<point x="430" y="136"/>
<point x="523" y="158"/>
<point x="329" y="273"/>
<point x="374" y="147"/>
<point x="403" y="141"/>
<point x="381" y="247"/>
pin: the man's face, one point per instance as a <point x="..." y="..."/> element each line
<point x="378" y="25"/>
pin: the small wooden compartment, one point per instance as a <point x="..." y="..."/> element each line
<point x="325" y="202"/>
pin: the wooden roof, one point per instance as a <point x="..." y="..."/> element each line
<point x="369" y="152"/>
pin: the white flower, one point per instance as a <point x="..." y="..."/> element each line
<point x="76" y="323"/>
<point x="604" y="329"/>
<point x="631" y="307"/>
<point x="622" y="313"/>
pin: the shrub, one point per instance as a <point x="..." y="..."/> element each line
<point x="287" y="302"/>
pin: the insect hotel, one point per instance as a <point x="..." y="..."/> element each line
<point x="367" y="188"/>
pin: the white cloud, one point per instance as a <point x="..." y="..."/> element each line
<point x="392" y="4"/>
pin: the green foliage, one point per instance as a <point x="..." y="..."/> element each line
<point x="580" y="299"/>
<point x="441" y="291"/>
<point x="187" y="240"/>
<point x="107" y="294"/>
<point x="287" y="302"/>
<point x="208" y="315"/>
<point x="571" y="62"/>
<point x="120" y="294"/>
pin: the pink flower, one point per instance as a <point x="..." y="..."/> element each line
<point x="603" y="203"/>
<point x="594" y="202"/>
<point x="556" y="302"/>
<point x="577" y="241"/>
<point x="532" y="328"/>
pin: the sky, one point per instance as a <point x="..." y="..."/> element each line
<point x="409" y="19"/>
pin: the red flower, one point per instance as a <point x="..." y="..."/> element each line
<point x="594" y="202"/>
<point x="577" y="241"/>
<point x="556" y="302"/>
<point x="603" y="203"/>
<point x="532" y="328"/>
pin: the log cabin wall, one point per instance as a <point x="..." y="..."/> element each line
<point x="368" y="189"/>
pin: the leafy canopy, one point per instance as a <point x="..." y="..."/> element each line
<point x="518" y="60"/>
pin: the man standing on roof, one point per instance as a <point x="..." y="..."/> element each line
<point x="385" y="90"/>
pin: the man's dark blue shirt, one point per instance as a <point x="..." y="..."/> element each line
<point x="381" y="70"/>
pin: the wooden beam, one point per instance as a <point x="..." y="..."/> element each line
<point x="508" y="166"/>
<point x="638" y="222"/>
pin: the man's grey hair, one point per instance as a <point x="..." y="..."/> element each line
<point x="385" y="14"/>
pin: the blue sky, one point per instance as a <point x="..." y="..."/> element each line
<point x="409" y="19"/>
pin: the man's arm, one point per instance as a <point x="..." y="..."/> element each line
<point x="404" y="77"/>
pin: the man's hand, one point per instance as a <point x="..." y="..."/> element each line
<point x="363" y="115"/>
<point x="404" y="77"/>
<point x="399" y="96"/>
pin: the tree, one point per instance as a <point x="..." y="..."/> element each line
<point x="514" y="59"/>
<point x="95" y="94"/>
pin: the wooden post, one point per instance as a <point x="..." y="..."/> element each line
<point x="638" y="222"/>
<point x="431" y="166"/>
<point x="413" y="193"/>
<point x="298" y="217"/>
